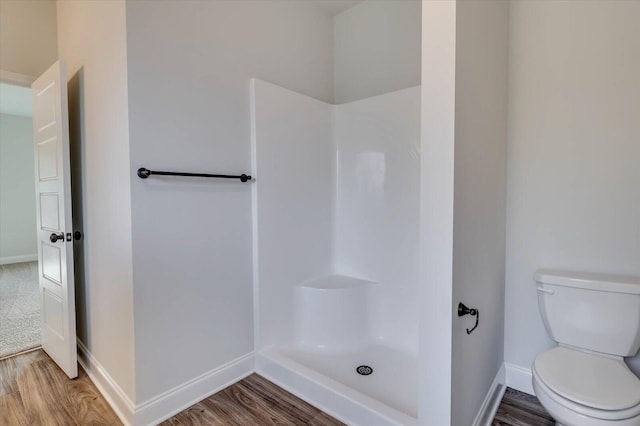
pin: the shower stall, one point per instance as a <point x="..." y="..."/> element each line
<point x="376" y="214"/>
<point x="336" y="239"/>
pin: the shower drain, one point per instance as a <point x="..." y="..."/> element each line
<point x="364" y="370"/>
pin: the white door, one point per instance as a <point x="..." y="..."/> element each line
<point x="53" y="210"/>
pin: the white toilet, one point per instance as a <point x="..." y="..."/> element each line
<point x="596" y="321"/>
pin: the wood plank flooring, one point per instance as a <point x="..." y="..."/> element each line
<point x="520" y="409"/>
<point x="34" y="391"/>
<point x="252" y="401"/>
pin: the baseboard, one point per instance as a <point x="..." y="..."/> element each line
<point x="519" y="378"/>
<point x="115" y="396"/>
<point x="491" y="402"/>
<point x="171" y="402"/>
<point x="18" y="259"/>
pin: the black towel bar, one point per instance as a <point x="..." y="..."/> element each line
<point x="145" y="173"/>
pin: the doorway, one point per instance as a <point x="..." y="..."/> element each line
<point x="19" y="299"/>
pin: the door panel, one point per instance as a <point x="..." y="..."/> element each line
<point x="52" y="263"/>
<point x="53" y="204"/>
<point x="52" y="312"/>
<point x="47" y="159"/>
<point x="45" y="108"/>
<point x="49" y="206"/>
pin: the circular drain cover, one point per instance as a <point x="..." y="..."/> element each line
<point x="364" y="370"/>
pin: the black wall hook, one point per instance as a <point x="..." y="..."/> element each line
<point x="463" y="310"/>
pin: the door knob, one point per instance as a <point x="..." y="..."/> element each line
<point x="55" y="237"/>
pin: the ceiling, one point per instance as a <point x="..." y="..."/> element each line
<point x="15" y="100"/>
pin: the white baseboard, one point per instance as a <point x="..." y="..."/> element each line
<point x="18" y="259"/>
<point x="519" y="378"/>
<point x="171" y="402"/>
<point x="115" y="396"/>
<point x="491" y="402"/>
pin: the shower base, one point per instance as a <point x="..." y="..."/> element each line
<point x="387" y="396"/>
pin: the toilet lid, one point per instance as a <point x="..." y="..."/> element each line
<point x="592" y="380"/>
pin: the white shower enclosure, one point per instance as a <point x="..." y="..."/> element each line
<point x="374" y="217"/>
<point x="336" y="243"/>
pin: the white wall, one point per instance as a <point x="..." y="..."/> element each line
<point x="15" y="99"/>
<point x="463" y="183"/>
<point x="479" y="220"/>
<point x="574" y="152"/>
<point x="436" y="210"/>
<point x="294" y="202"/>
<point x="28" y="37"/>
<point x="376" y="48"/>
<point x="17" y="190"/>
<point x="377" y="208"/>
<point x="92" y="39"/>
<point x="189" y="70"/>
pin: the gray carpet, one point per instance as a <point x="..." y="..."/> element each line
<point x="19" y="308"/>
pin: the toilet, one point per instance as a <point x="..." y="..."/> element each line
<point x="595" y="319"/>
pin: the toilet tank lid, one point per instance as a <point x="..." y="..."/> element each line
<point x="599" y="282"/>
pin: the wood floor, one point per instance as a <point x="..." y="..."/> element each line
<point x="252" y="401"/>
<point x="34" y="391"/>
<point x="521" y="409"/>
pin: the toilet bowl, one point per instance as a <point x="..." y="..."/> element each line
<point x="581" y="388"/>
<point x="595" y="319"/>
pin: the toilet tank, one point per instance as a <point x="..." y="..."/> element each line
<point x="596" y="312"/>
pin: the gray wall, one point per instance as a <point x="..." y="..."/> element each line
<point x="574" y="152"/>
<point x="479" y="219"/>
<point x="17" y="190"/>
<point x="376" y="48"/>
<point x="189" y="70"/>
<point x="28" y="38"/>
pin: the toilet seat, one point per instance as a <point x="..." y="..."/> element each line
<point x="597" y="381"/>
<point x="590" y="385"/>
<point x="543" y="392"/>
